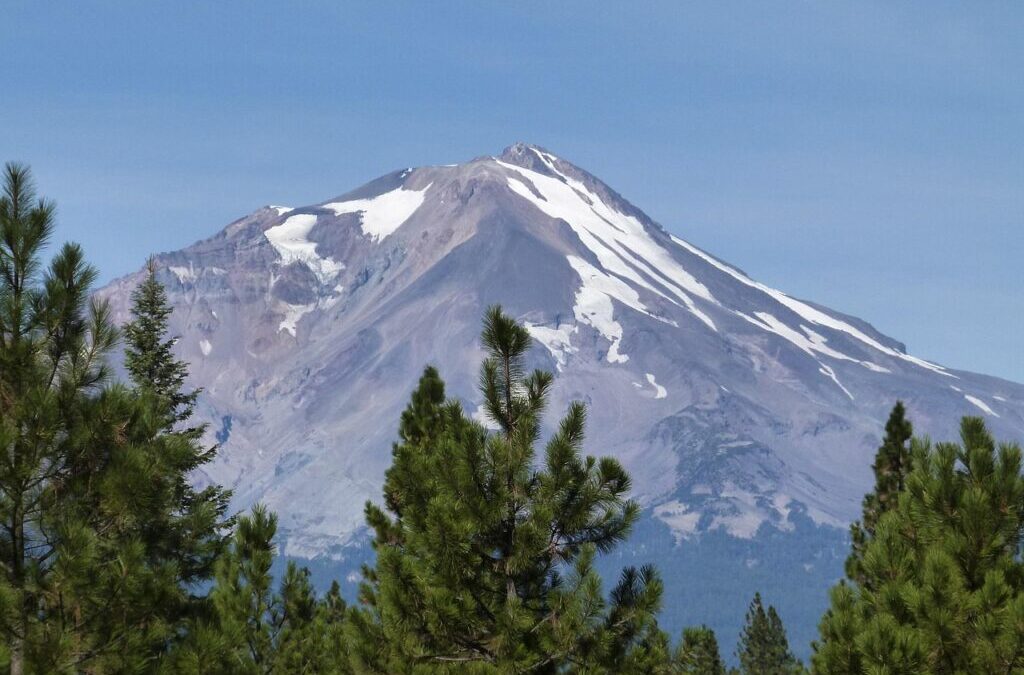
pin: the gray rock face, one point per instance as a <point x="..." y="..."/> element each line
<point x="737" y="408"/>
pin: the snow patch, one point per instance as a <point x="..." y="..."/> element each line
<point x="679" y="518"/>
<point x="205" y="347"/>
<point x="746" y="514"/>
<point x="290" y="241"/>
<point x="620" y="242"/>
<point x="999" y="398"/>
<point x="809" y="313"/>
<point x="185" y="274"/>
<point x="981" y="404"/>
<point x="292" y="315"/>
<point x="659" y="391"/>
<point x="383" y="214"/>
<point x="594" y="304"/>
<point x="828" y="372"/>
<point x="189" y="275"/>
<point x="558" y="340"/>
<point x="281" y="210"/>
<point x="595" y="309"/>
<point x="333" y="299"/>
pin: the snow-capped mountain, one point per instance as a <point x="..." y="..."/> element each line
<point x="747" y="418"/>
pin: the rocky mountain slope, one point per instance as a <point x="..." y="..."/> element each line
<point x="748" y="418"/>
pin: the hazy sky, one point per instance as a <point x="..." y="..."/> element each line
<point x="865" y="156"/>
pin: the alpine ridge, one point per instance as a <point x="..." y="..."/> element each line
<point x="747" y="418"/>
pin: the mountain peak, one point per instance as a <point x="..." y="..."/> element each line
<point x="734" y="406"/>
<point x="529" y="156"/>
<point x="296" y="314"/>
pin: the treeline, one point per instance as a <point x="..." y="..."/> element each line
<point x="111" y="561"/>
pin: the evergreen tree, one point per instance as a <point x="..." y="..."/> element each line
<point x="763" y="647"/>
<point x="256" y="629"/>
<point x="101" y="540"/>
<point x="892" y="466"/>
<point x="698" y="653"/>
<point x="484" y="557"/>
<point x="149" y="350"/>
<point x="59" y="430"/>
<point x="161" y="536"/>
<point x="943" y="578"/>
<point x="243" y="593"/>
<point x="185" y="526"/>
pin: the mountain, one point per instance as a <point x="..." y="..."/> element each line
<point x="747" y="418"/>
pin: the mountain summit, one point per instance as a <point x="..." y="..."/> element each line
<point x="743" y="414"/>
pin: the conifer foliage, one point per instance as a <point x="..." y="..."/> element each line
<point x="892" y="466"/>
<point x="102" y="539"/>
<point x="186" y="527"/>
<point x="149" y="356"/>
<point x="59" y="432"/>
<point x="763" y="647"/>
<point x="943" y="588"/>
<point x="484" y="555"/>
<point x="698" y="653"/>
<point x="257" y="629"/>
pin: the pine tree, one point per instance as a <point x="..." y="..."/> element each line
<point x="943" y="581"/>
<point x="138" y="587"/>
<point x="58" y="429"/>
<point x="243" y="593"/>
<point x="892" y="466"/>
<point x="484" y="557"/>
<point x="186" y="526"/>
<point x="149" y="350"/>
<point x="255" y="629"/>
<point x="698" y="653"/>
<point x="763" y="647"/>
<point x="331" y="620"/>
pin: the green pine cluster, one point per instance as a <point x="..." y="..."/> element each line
<point x="939" y="585"/>
<point x="485" y="551"/>
<point x="891" y="467"/>
<point x="104" y="543"/>
<point x="112" y="561"/>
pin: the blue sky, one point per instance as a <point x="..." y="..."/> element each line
<point x="866" y="156"/>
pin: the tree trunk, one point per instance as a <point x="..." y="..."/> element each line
<point x="17" y="656"/>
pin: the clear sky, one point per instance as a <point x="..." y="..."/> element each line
<point x="867" y="156"/>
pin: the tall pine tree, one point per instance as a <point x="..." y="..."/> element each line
<point x="149" y="350"/>
<point x="484" y="555"/>
<point x="892" y="466"/>
<point x="698" y="653"/>
<point x="943" y="588"/>
<point x="101" y="539"/>
<point x="187" y="526"/>
<point x="763" y="647"/>
<point x="52" y="344"/>
<point x="255" y="629"/>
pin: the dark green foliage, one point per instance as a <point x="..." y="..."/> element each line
<point x="149" y="350"/>
<point x="184" y="527"/>
<point x="943" y="578"/>
<point x="698" y="653"/>
<point x="101" y="537"/>
<point x="892" y="466"/>
<point x="484" y="561"/>
<point x="763" y="647"/>
<point x="73" y="574"/>
<point x="255" y="629"/>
